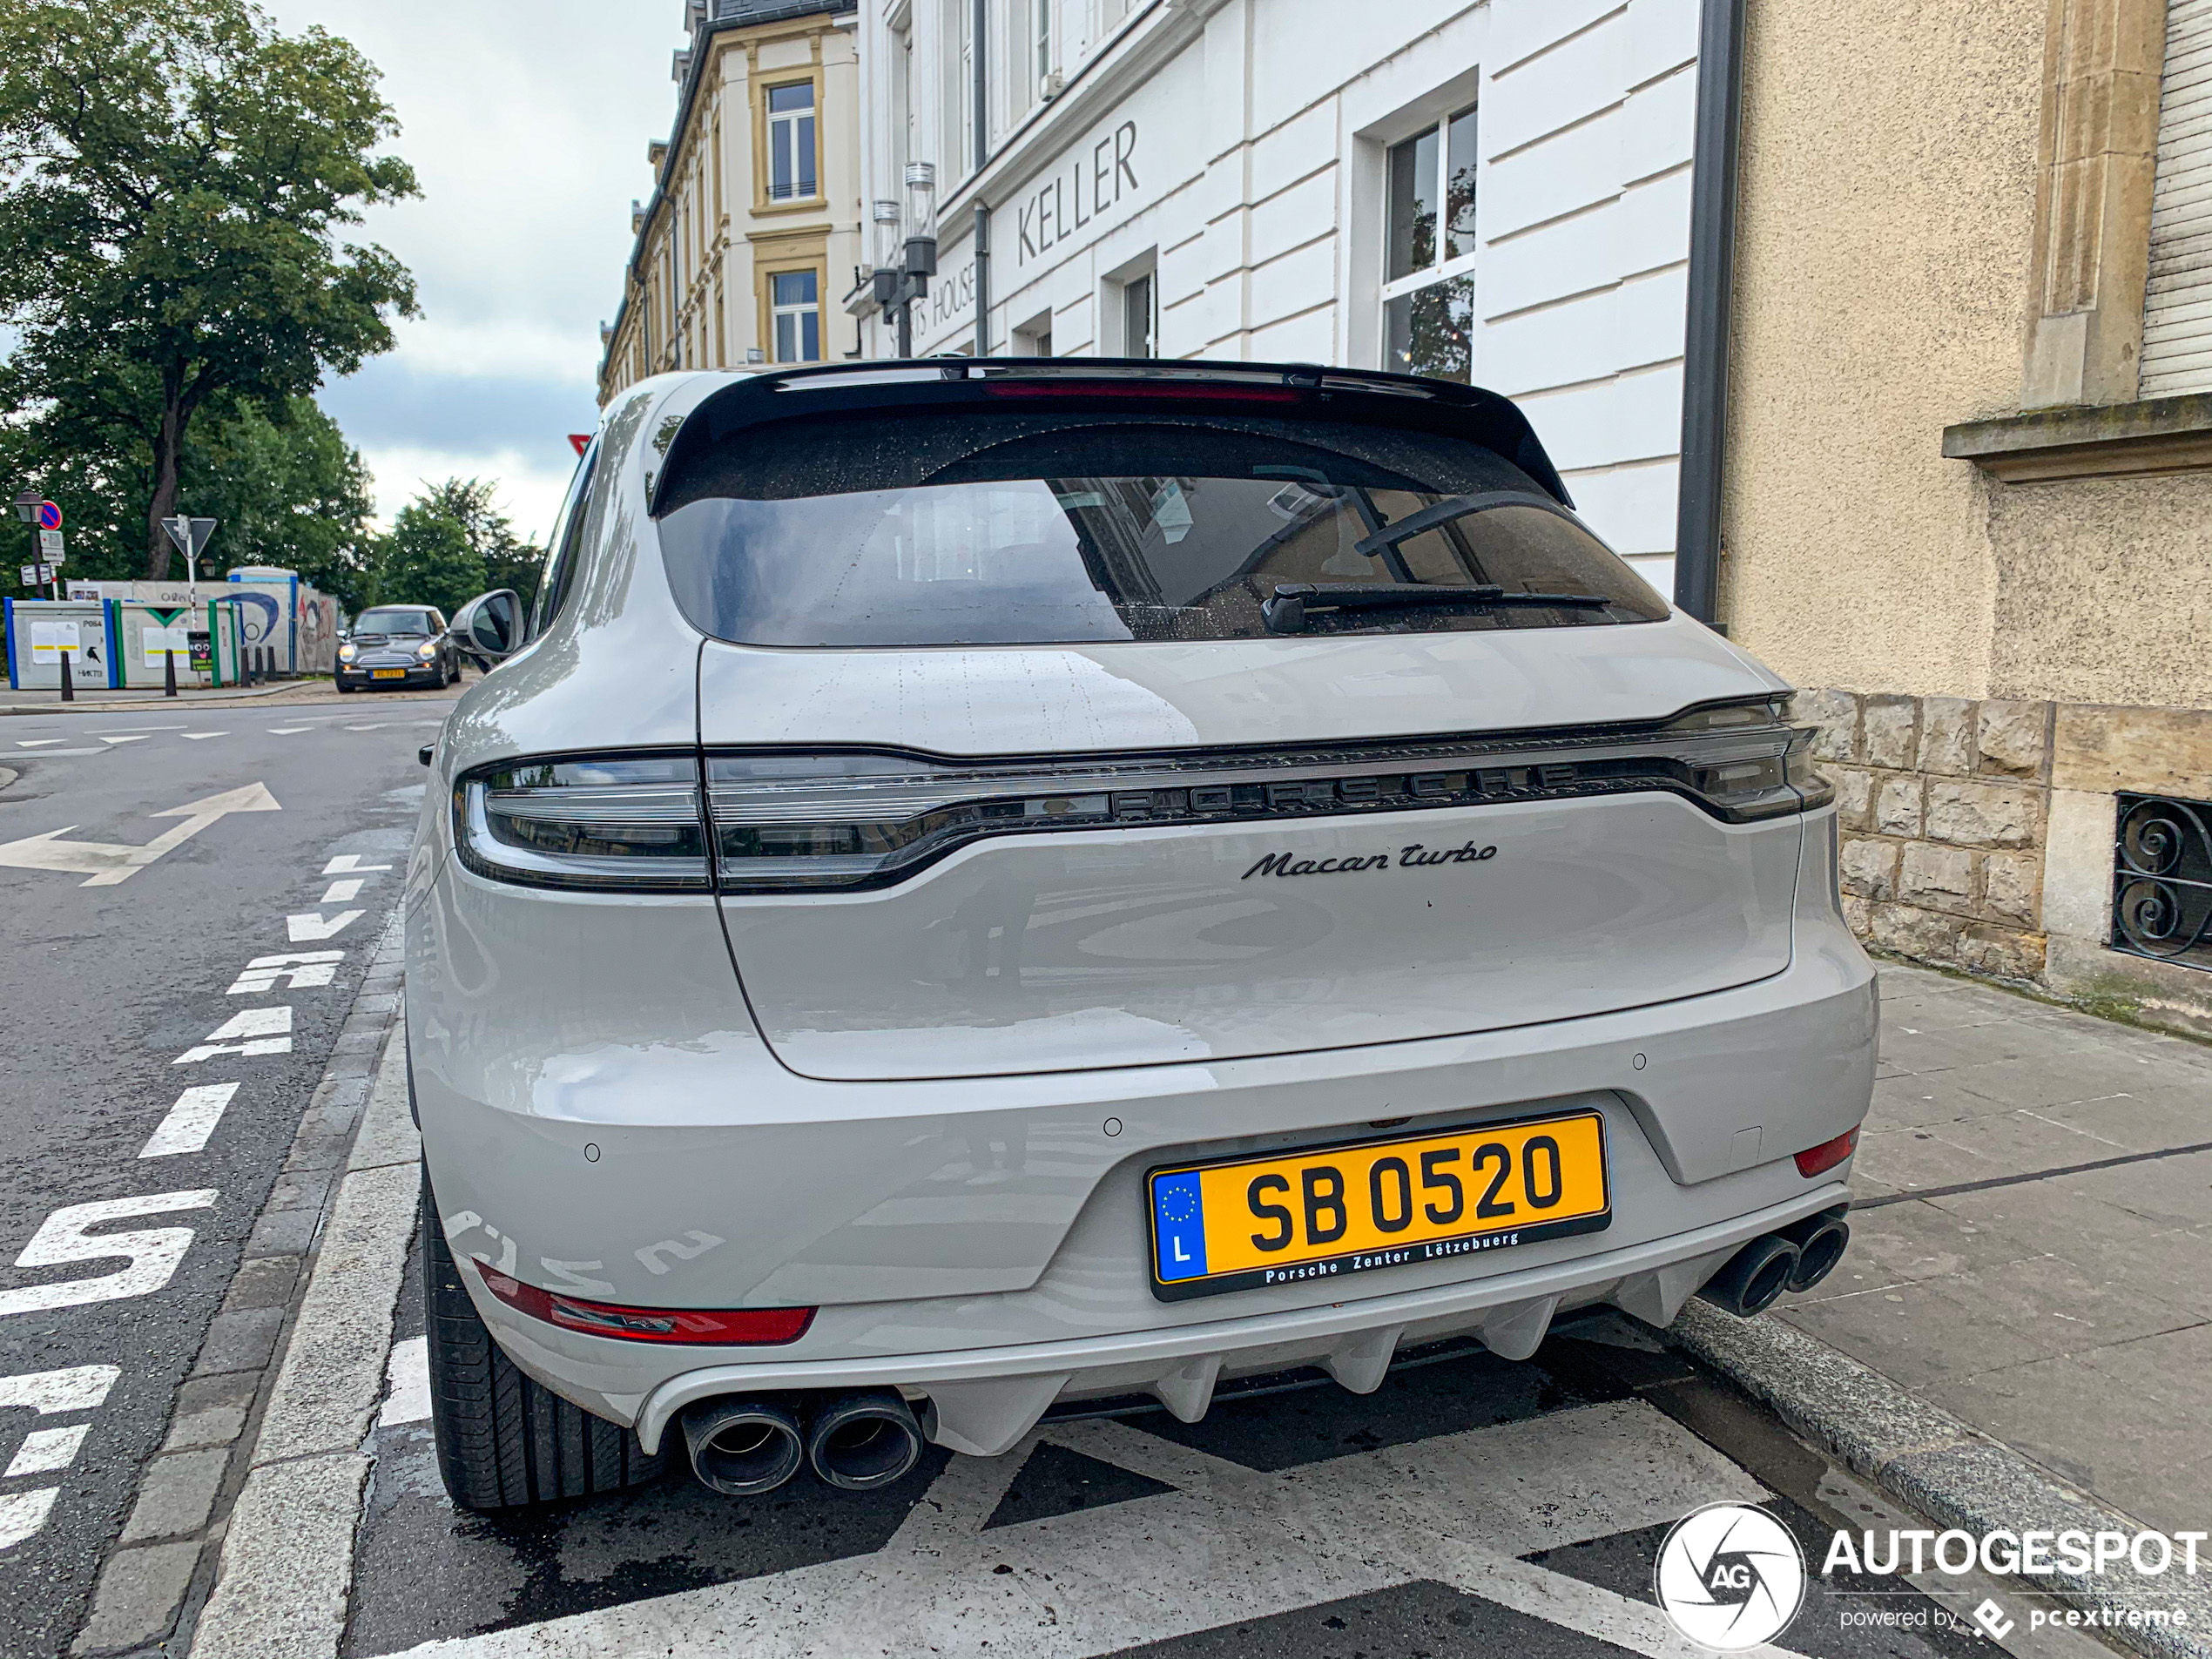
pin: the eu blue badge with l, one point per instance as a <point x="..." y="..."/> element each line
<point x="1178" y="1226"/>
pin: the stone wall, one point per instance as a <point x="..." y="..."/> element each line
<point x="1944" y="803"/>
<point x="1978" y="835"/>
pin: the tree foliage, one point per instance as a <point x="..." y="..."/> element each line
<point x="288" y="491"/>
<point x="174" y="185"/>
<point x="450" y="543"/>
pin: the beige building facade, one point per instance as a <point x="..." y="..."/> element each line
<point x="1969" y="469"/>
<point x="753" y="226"/>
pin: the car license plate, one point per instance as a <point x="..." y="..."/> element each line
<point x="1244" y="1223"/>
<point x="388" y="673"/>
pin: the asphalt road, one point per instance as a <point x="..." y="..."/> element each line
<point x="105" y="988"/>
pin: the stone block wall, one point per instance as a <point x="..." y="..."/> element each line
<point x="1944" y="804"/>
<point x="1978" y="835"/>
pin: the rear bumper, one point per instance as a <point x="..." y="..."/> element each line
<point x="599" y="1115"/>
<point x="985" y="1400"/>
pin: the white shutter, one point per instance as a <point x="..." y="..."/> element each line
<point x="2177" y="309"/>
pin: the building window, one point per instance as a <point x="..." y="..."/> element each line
<point x="1140" y="317"/>
<point x="1428" y="275"/>
<point x="795" y="314"/>
<point x="790" y="142"/>
<point x="960" y="104"/>
<point x="1040" y="43"/>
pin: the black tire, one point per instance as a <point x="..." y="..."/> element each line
<point x="505" y="1439"/>
<point x="345" y="690"/>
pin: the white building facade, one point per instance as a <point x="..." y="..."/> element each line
<point x="1499" y="192"/>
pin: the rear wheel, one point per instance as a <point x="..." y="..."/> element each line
<point x="504" y="1439"/>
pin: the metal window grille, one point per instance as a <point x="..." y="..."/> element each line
<point x="2161" y="881"/>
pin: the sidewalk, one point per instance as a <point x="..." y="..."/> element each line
<point x="2031" y="1265"/>
<point x="102" y="700"/>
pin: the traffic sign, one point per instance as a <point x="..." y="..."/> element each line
<point x="50" y="517"/>
<point x="30" y="577"/>
<point x="50" y="546"/>
<point x="191" y="534"/>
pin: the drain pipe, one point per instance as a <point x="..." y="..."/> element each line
<point x="980" y="66"/>
<point x="1712" y="275"/>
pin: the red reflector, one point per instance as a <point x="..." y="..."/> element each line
<point x="1818" y="1160"/>
<point x="1158" y="391"/>
<point x="705" y="1327"/>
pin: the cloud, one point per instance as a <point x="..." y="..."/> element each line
<point x="527" y="127"/>
<point x="530" y="486"/>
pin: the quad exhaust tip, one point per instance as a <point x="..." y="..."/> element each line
<point x="743" y="1447"/>
<point x="861" y="1441"/>
<point x="1796" y="1258"/>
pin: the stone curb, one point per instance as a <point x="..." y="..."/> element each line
<point x="162" y="1569"/>
<point x="282" y="1583"/>
<point x="1933" y="1462"/>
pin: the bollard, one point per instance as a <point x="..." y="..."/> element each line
<point x="69" y="691"/>
<point x="169" y="673"/>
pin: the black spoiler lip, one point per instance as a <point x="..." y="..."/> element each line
<point x="1469" y="412"/>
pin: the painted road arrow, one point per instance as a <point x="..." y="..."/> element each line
<point x="108" y="864"/>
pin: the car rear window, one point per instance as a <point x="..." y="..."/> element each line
<point x="967" y="528"/>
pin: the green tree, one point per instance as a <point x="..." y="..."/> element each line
<point x="509" y="561"/>
<point x="175" y="182"/>
<point x="427" y="560"/>
<point x="288" y="491"/>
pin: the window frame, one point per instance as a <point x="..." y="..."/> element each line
<point x="1445" y="266"/>
<point x="790" y="121"/>
<point x="768" y="271"/>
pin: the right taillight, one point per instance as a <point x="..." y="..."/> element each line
<point x="1818" y="1160"/>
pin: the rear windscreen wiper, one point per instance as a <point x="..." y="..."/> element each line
<point x="1452" y="506"/>
<point x="1286" y="612"/>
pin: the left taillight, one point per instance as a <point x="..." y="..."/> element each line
<point x="631" y="823"/>
<point x="698" y="1327"/>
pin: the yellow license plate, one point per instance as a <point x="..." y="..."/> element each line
<point x="1244" y="1223"/>
<point x="388" y="673"/>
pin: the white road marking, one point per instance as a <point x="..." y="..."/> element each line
<point x="288" y="730"/>
<point x="310" y="925"/>
<point x="40" y="743"/>
<point x="195" y="737"/>
<point x="23" y="1515"/>
<point x="111" y="863"/>
<point x="80" y="1389"/>
<point x="306" y="970"/>
<point x="61" y="1238"/>
<point x="343" y="892"/>
<point x="250" y="1031"/>
<point x="191" y="1121"/>
<point x="57" y="755"/>
<point x="1457" y="1509"/>
<point x="135" y="737"/>
<point x="176" y="726"/>
<point x="44" y="1450"/>
<point x="350" y="864"/>
<point x="406" y="1382"/>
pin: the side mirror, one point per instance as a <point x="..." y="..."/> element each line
<point x="490" y="626"/>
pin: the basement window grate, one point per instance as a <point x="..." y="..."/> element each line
<point x="2162" y="880"/>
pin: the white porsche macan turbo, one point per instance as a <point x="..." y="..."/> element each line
<point x="987" y="885"/>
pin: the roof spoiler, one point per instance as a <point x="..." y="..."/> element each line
<point x="757" y="399"/>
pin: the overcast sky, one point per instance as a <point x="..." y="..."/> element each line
<point x="527" y="126"/>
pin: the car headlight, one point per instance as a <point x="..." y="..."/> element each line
<point x="347" y="653"/>
<point x="426" y="649"/>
